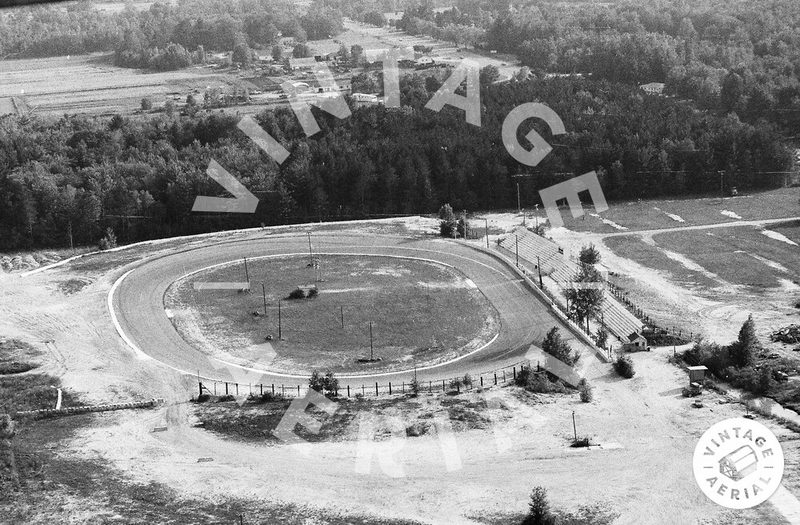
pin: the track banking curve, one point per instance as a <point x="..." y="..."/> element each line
<point x="137" y="301"/>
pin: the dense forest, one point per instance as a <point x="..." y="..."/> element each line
<point x="81" y="175"/>
<point x="729" y="55"/>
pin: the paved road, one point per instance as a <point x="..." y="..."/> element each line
<point x="138" y="304"/>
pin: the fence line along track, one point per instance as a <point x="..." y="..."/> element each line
<point x="500" y="376"/>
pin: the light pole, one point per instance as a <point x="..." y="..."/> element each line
<point x="310" y="253"/>
<point x="487" y="233"/>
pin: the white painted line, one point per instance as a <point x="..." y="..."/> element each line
<point x="131" y="344"/>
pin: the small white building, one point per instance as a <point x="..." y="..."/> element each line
<point x="296" y="64"/>
<point x="653" y="88"/>
<point x="636" y="342"/>
<point x="366" y="99"/>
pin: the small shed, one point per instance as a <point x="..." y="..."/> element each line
<point x="697" y="374"/>
<point x="636" y="343"/>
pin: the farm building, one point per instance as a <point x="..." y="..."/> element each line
<point x="636" y="342"/>
<point x="653" y="88"/>
<point x="296" y="64"/>
<point x="366" y="99"/>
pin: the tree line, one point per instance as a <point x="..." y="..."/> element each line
<point x="140" y="175"/>
<point x="731" y="56"/>
<point x="164" y="36"/>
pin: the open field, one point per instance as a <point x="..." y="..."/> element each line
<point x="634" y="248"/>
<point x="371" y="37"/>
<point x="740" y="256"/>
<point x="421" y="313"/>
<point x="92" y="84"/>
<point x="660" y="214"/>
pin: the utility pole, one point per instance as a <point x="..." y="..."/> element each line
<point x="71" y="246"/>
<point x="574" y="428"/>
<point x="516" y="248"/>
<point x="465" y="224"/>
<point x="539" y="267"/>
<point x="370" y="342"/>
<point x="722" y="184"/>
<point x="537" y="215"/>
<point x="487" y="233"/>
<point x="279" y="320"/>
<point x="246" y="272"/>
<point x="519" y="205"/>
<point x="310" y="253"/>
<point x="341" y="314"/>
<point x="264" y="296"/>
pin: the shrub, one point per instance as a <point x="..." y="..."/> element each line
<point x="586" y="391"/>
<point x="202" y="398"/>
<point x="455" y="384"/>
<point x="539" y="382"/>
<point x="147" y="104"/>
<point x="602" y="337"/>
<point x="109" y="240"/>
<point x="222" y="399"/>
<point x="327" y="384"/>
<point x="415" y="387"/>
<point x="624" y="367"/>
<point x="313" y="292"/>
<point x="759" y="382"/>
<point x="467" y="381"/>
<point x="297" y="293"/>
<point x="582" y="442"/>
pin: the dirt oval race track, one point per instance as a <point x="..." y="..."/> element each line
<point x="137" y="301"/>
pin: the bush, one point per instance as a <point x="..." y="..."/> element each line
<point x="147" y="104"/>
<point x="586" y="391"/>
<point x="222" y="399"/>
<point x="539" y="382"/>
<point x="415" y="387"/>
<point x="758" y="382"/>
<point x="467" y="381"/>
<point x="624" y="367"/>
<point x="109" y="241"/>
<point x="327" y="385"/>
<point x="297" y="293"/>
<point x="313" y="293"/>
<point x="455" y="384"/>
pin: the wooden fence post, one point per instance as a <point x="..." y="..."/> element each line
<point x="376" y="389"/>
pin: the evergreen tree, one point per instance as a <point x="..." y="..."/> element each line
<point x="744" y="349"/>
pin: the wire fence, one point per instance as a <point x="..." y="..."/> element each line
<point x="457" y="384"/>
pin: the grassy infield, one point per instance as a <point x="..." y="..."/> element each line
<point x="421" y="312"/>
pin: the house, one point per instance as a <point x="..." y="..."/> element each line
<point x="653" y="88"/>
<point x="636" y="342"/>
<point x="296" y="64"/>
<point x="423" y="62"/>
<point x="366" y="99"/>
